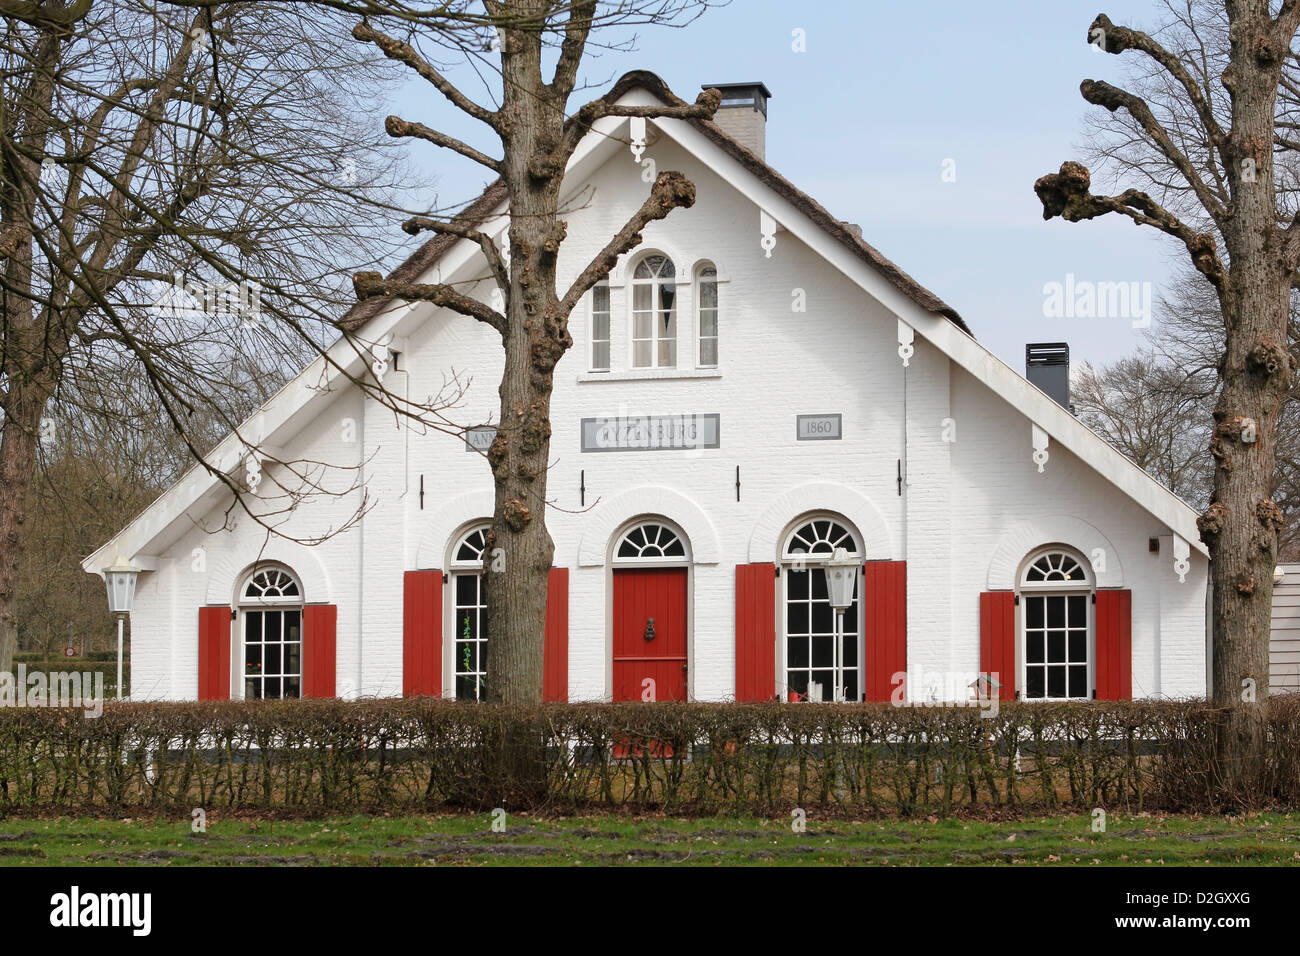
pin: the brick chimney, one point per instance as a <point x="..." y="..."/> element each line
<point x="743" y="113"/>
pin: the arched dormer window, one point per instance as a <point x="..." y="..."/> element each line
<point x="270" y="606"/>
<point x="1056" y="642"/>
<point x="654" y="313"/>
<point x="706" y="315"/>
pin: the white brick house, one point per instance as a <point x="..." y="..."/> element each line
<point x="810" y="395"/>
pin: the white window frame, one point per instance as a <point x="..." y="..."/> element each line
<point x="657" y="338"/>
<point x="789" y="562"/>
<point x="461" y="568"/>
<point x="698" y="296"/>
<point x="261" y="605"/>
<point x="1086" y="588"/>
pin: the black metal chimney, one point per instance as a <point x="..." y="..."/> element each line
<point x="1047" y="365"/>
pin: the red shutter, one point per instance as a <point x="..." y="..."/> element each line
<point x="422" y="634"/>
<point x="555" y="670"/>
<point x="214" y="653"/>
<point x="1114" y="645"/>
<point x="998" y="640"/>
<point x="318" y="649"/>
<point x="884" y="605"/>
<point x="755" y="632"/>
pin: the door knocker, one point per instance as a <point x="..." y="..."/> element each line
<point x="650" y="629"/>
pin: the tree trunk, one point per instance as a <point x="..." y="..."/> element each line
<point x="535" y="338"/>
<point x="1242" y="523"/>
<point x="19" y="439"/>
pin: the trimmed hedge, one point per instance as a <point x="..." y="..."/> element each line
<point x="314" y="757"/>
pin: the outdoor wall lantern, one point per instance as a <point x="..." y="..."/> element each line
<point x="120" y="579"/>
<point x="841" y="579"/>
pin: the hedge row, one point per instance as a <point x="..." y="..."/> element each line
<point x="404" y="755"/>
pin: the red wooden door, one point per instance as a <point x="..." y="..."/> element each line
<point x="640" y="655"/>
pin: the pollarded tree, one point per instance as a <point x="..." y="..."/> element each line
<point x="1209" y="133"/>
<point x="537" y="137"/>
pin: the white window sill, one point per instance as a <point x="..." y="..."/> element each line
<point x="641" y="374"/>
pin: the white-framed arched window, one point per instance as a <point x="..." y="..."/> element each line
<point x="706" y="315"/>
<point x="654" y="313"/>
<point x="1056" y="632"/>
<point x="270" y="612"/>
<point x="600" y="326"/>
<point x="813" y="666"/>
<point x="650" y="542"/>
<point x="469" y="614"/>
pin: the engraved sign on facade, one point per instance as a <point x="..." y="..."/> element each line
<point x="819" y="427"/>
<point x="479" y="438"/>
<point x="651" y="432"/>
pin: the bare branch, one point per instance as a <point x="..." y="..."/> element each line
<point x="705" y="105"/>
<point x="396" y="126"/>
<point x="1100" y="93"/>
<point x="1066" y="194"/>
<point x="404" y="53"/>
<point x="372" y="285"/>
<point x="417" y="224"/>
<point x="1116" y="39"/>
<point x="671" y="191"/>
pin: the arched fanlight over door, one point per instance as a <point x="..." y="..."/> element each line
<point x="1056" y="632"/>
<point x="270" y="605"/>
<point x="650" y="540"/>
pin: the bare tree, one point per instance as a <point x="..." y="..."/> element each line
<point x="1209" y="136"/>
<point x="179" y="190"/>
<point x="537" y="138"/>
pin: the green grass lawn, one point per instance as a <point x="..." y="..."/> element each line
<point x="1262" y="839"/>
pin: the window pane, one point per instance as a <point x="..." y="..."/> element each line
<point x="822" y="618"/>
<point x="271" y="659"/>
<point x="271" y="688"/>
<point x="1034" y="612"/>
<point x="823" y="652"/>
<point x="708" y="324"/>
<point x="600" y="356"/>
<point x="667" y="353"/>
<point x="600" y="299"/>
<point x="600" y="327"/>
<point x="1034" y="647"/>
<point x="1078" y="611"/>
<point x="796" y="618"/>
<point x="1034" y="681"/>
<point x="1056" y="612"/>
<point x="466" y="590"/>
<point x="272" y="624"/>
<point x="797" y="650"/>
<point x="1078" y="646"/>
<point x="819" y="584"/>
<point x="292" y="687"/>
<point x="1056" y="647"/>
<point x="642" y="297"/>
<point x="708" y="295"/>
<point x="1079" y="681"/>
<point x="641" y="354"/>
<point x="1055" y="681"/>
<point x="291" y="657"/>
<point x="709" y="352"/>
<point x="797" y="583"/>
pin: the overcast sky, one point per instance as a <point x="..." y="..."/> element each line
<point x="865" y="119"/>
